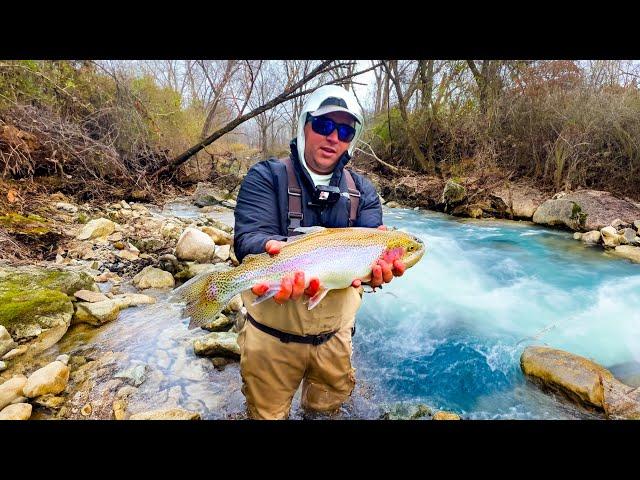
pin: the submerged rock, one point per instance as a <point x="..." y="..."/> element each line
<point x="169" y="414"/>
<point x="442" y="415"/>
<point x="627" y="251"/>
<point x="580" y="380"/>
<point x="17" y="411"/>
<point x="218" y="344"/>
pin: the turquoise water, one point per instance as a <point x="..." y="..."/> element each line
<point x="451" y="331"/>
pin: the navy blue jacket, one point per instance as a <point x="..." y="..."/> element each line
<point x="263" y="204"/>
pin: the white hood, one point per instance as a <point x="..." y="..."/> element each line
<point x="313" y="103"/>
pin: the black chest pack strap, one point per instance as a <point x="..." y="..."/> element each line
<point x="295" y="197"/>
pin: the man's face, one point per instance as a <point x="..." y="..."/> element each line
<point x="323" y="152"/>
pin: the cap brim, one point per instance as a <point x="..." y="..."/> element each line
<point x="332" y="108"/>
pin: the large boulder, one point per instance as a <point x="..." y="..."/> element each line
<point x="11" y="390"/>
<point x="218" y="344"/>
<point x="581" y="380"/>
<point x="560" y="212"/>
<point x="207" y="194"/>
<point x="195" y="245"/>
<point x="51" y="378"/>
<point x="100" y="227"/>
<point x="36" y="300"/>
<point x="453" y="193"/>
<point x="151" y="277"/>
<point x="601" y="208"/>
<point x="522" y="201"/>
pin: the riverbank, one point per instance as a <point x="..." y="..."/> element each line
<point x="129" y="355"/>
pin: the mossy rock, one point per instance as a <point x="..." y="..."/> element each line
<point x="32" y="225"/>
<point x="35" y="299"/>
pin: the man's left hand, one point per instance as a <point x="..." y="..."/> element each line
<point x="383" y="271"/>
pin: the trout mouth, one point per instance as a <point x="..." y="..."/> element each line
<point x="411" y="258"/>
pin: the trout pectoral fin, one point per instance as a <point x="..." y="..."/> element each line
<point x="317" y="298"/>
<point x="273" y="289"/>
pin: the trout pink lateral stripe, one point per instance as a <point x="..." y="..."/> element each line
<point x="336" y="256"/>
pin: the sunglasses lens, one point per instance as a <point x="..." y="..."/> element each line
<point x="325" y="126"/>
<point x="346" y="133"/>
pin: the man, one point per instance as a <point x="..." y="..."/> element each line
<point x="283" y="343"/>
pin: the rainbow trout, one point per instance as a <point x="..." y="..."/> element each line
<point x="336" y="256"/>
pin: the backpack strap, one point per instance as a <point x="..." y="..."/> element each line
<point x="354" y="197"/>
<point x="295" y="197"/>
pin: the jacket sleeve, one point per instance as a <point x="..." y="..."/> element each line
<point x="370" y="207"/>
<point x="256" y="212"/>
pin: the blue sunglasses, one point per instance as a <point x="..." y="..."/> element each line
<point x="325" y="126"/>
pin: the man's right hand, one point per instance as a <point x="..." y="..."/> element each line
<point x="291" y="288"/>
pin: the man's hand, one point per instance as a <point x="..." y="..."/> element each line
<point x="291" y="287"/>
<point x="383" y="270"/>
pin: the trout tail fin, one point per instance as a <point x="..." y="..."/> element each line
<point x="205" y="296"/>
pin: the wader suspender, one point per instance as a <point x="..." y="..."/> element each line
<point x="295" y="197"/>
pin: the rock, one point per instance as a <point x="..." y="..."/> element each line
<point x="561" y="212"/>
<point x="151" y="277"/>
<point x="195" y="245"/>
<point x="627" y="251"/>
<point x="35" y="300"/>
<point x="11" y="390"/>
<point x="150" y="245"/>
<point x="235" y="305"/>
<point x="392" y="204"/>
<point x="219" y="237"/>
<point x="582" y="381"/>
<point x="219" y="324"/>
<point x="17" y="411"/>
<point x="171" y="230"/>
<point x="127" y="300"/>
<point x="15" y="352"/>
<point x="49" y="401"/>
<point x="602" y="208"/>
<point x="127" y="254"/>
<point x="230" y="203"/>
<point x="521" y="200"/>
<point x="223" y="252"/>
<point x="6" y="342"/>
<point x="593" y="237"/>
<point x="89" y="296"/>
<point x="100" y="227"/>
<point x="473" y="212"/>
<point x="169" y="414"/>
<point x="125" y="205"/>
<point x="442" y="415"/>
<point x="629" y="235"/>
<point x="116" y="237"/>
<point x="97" y="313"/>
<point x="453" y="193"/>
<point x="3" y="366"/>
<point x="610" y="237"/>
<point x="578" y="235"/>
<point x="86" y="410"/>
<point x="207" y="194"/>
<point x="64" y="359"/>
<point x="618" y="224"/>
<point x="51" y="378"/>
<point x="66" y="207"/>
<point x="636" y="225"/>
<point x="136" y="374"/>
<point x="218" y="344"/>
